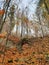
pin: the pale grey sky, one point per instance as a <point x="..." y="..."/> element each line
<point x="31" y="4"/>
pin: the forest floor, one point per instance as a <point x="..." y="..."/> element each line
<point x="35" y="54"/>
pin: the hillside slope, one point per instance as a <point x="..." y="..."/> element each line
<point x="35" y="54"/>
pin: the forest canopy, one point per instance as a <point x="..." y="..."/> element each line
<point x="24" y="18"/>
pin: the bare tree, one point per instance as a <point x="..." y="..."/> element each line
<point x="6" y="5"/>
<point x="38" y="12"/>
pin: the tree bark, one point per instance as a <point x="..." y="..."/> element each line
<point x="3" y="21"/>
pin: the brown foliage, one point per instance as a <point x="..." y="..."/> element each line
<point x="2" y="12"/>
<point x="37" y="54"/>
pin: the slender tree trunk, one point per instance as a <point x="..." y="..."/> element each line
<point x="41" y="27"/>
<point x="17" y="28"/>
<point x="7" y="40"/>
<point x="46" y="7"/>
<point x="27" y="29"/>
<point x="22" y="29"/>
<point x="3" y="21"/>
